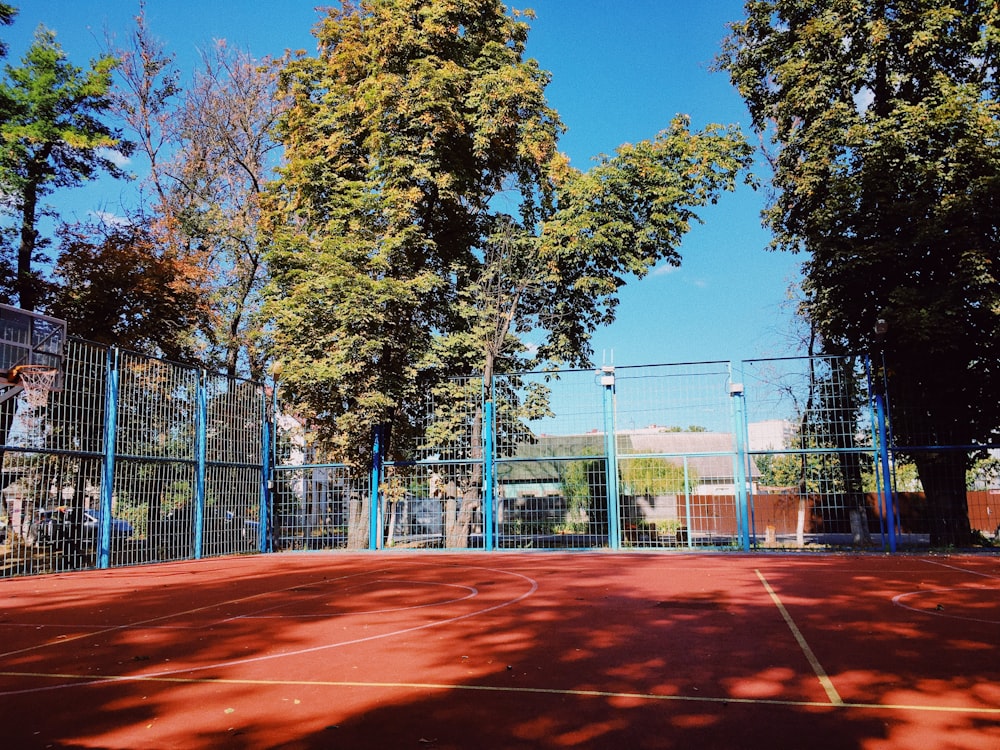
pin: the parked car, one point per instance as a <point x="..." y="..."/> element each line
<point x="54" y="522"/>
<point x="120" y="528"/>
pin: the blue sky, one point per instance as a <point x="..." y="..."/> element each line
<point x="621" y="69"/>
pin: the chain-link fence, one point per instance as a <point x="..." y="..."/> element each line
<point x="132" y="460"/>
<point x="789" y="453"/>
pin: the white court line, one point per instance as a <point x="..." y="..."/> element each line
<point x="947" y="614"/>
<point x="96" y="680"/>
<point x="60" y="640"/>
<point x="960" y="570"/>
<point x="824" y="679"/>
<point x="510" y="689"/>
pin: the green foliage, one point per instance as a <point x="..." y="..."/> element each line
<point x="51" y="136"/>
<point x="7" y="13"/>
<point x="884" y="120"/>
<point x="649" y="477"/>
<point x="984" y="474"/>
<point x="619" y="219"/>
<point x="584" y="487"/>
<point x="415" y="115"/>
<point x="393" y="265"/>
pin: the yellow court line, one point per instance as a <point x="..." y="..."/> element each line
<point x="824" y="679"/>
<point x="563" y="692"/>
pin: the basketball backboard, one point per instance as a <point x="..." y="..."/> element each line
<point x="30" y="338"/>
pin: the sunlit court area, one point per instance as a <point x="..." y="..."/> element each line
<point x="546" y="650"/>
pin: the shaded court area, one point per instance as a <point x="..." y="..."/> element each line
<point x="543" y="650"/>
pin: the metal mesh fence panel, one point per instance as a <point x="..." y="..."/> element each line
<point x="677" y="451"/>
<point x="52" y="470"/>
<point x="157" y="409"/>
<point x="319" y="507"/>
<point x="156" y="497"/>
<point x="435" y="499"/>
<point x="183" y="451"/>
<point x="780" y="453"/>
<point x="551" y="461"/>
<point x="811" y="452"/>
<point x="436" y="504"/>
<point x="48" y="504"/>
<point x="686" y="398"/>
<point x="156" y="464"/>
<point x="232" y="510"/>
<point x="929" y="501"/>
<point x="234" y="412"/>
<point x="75" y="418"/>
<point x="552" y="503"/>
<point x="678" y="501"/>
<point x="316" y="504"/>
<point x="983" y="483"/>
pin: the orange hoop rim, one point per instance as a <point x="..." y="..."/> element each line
<point x="16" y="373"/>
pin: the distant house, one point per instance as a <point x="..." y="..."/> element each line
<point x="770" y="435"/>
<point x="539" y="469"/>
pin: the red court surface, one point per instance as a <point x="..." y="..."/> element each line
<point x="507" y="650"/>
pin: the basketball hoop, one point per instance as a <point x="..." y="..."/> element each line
<point x="37" y="382"/>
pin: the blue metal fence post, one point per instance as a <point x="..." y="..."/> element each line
<point x="111" y="394"/>
<point x="201" y="462"/>
<point x="266" y="478"/>
<point x="886" y="498"/>
<point x="740" y="465"/>
<point x="488" y="459"/>
<point x="611" y="456"/>
<point x="374" y="513"/>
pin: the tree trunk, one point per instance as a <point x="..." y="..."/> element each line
<point x="27" y="294"/>
<point x="942" y="474"/>
<point x="800" y="521"/>
<point x="458" y="518"/>
<point x="854" y="499"/>
<point x="357" y="523"/>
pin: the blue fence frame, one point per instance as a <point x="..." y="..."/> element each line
<point x="738" y="513"/>
<point x="138" y="460"/>
<point x="133" y="460"/>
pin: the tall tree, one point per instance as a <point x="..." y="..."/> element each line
<point x="210" y="152"/>
<point x="412" y="119"/>
<point x="227" y="153"/>
<point x="424" y="221"/>
<point x="53" y="136"/>
<point x="144" y="97"/>
<point x="424" y="212"/>
<point x="884" y="122"/>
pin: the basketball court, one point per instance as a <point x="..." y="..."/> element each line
<point x="540" y="650"/>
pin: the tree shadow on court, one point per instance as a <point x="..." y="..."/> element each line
<point x="548" y="651"/>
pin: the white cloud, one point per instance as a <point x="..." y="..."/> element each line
<point x="115" y="157"/>
<point x="664" y="269"/>
<point x="107" y="217"/>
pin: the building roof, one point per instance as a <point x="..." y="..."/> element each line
<point x="709" y="455"/>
